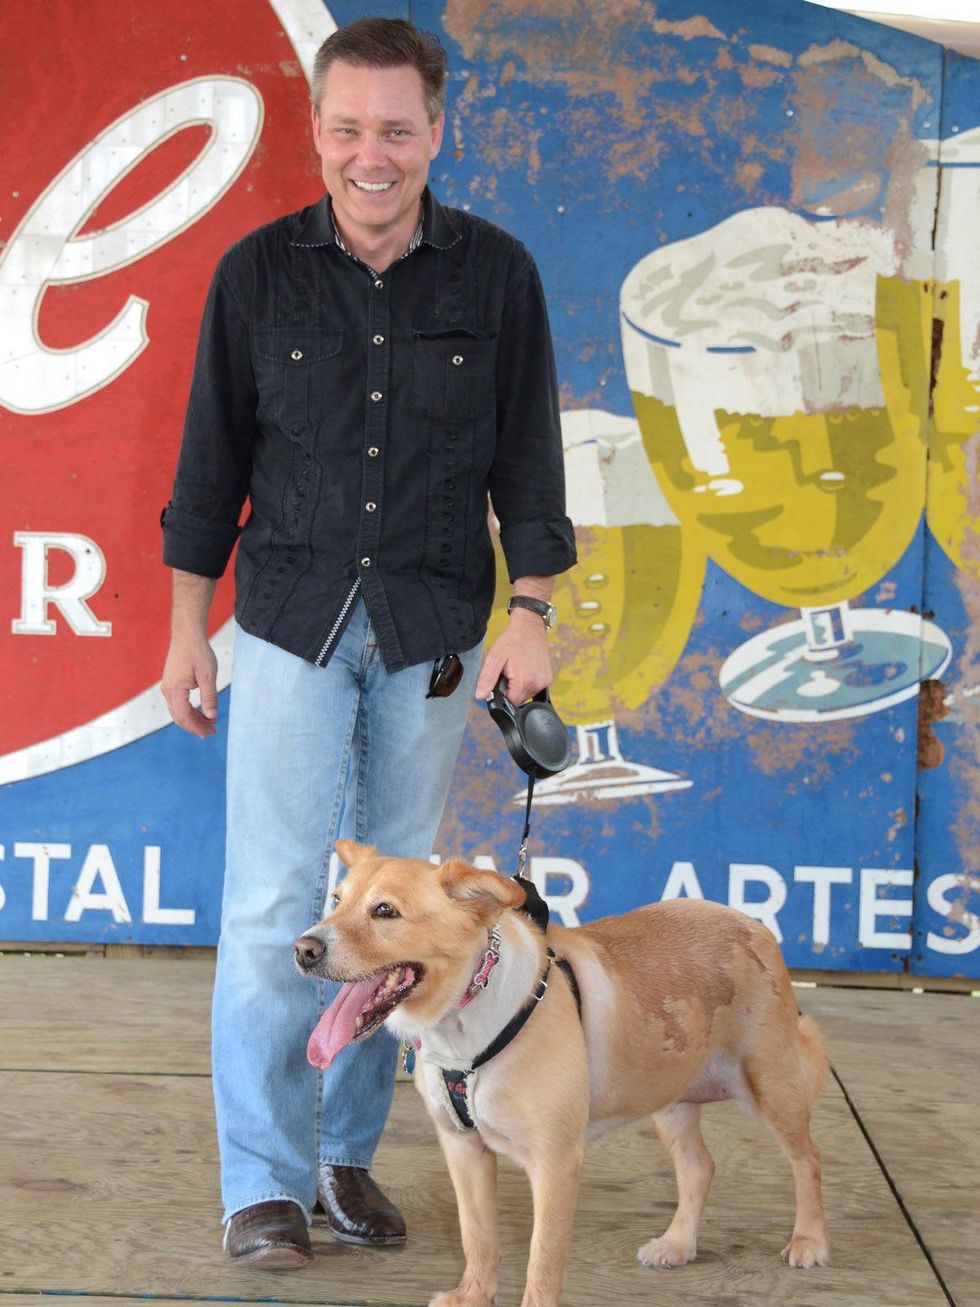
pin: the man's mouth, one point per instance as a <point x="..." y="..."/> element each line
<point x="372" y="188"/>
<point x="359" y="1009"/>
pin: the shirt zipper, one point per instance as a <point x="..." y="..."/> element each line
<point x="341" y="618"/>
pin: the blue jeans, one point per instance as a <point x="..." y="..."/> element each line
<point x="313" y="754"/>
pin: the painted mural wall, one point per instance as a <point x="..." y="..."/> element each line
<point x="755" y="231"/>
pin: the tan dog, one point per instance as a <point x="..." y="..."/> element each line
<point x="682" y="1003"/>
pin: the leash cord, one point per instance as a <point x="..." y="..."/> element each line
<point x="522" y="851"/>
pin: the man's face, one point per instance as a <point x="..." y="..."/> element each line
<point x="375" y="143"/>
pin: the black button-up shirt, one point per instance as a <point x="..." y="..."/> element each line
<point x="365" y="417"/>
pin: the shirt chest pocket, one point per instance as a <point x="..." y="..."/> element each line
<point x="454" y="374"/>
<point x="297" y="373"/>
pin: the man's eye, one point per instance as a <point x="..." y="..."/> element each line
<point x="384" y="910"/>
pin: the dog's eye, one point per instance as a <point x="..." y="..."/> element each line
<point x="334" y="900"/>
<point x="384" y="910"/>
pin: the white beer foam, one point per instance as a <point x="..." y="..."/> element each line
<point x="771" y="312"/>
<point x="608" y="479"/>
<point x="957" y="247"/>
<point x="767" y="313"/>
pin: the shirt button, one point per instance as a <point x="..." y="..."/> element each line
<point x="370" y="507"/>
<point x="373" y="452"/>
<point x="379" y="284"/>
<point x="296" y="355"/>
<point x="365" y="562"/>
<point x="457" y="359"/>
<point x="376" y="395"/>
<point x="379" y="340"/>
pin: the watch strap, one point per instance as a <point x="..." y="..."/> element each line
<point x="543" y="609"/>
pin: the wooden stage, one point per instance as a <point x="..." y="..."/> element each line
<point x="108" y="1176"/>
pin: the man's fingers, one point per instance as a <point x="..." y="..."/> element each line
<point x="209" y="697"/>
<point x="493" y="665"/>
<point x="185" y="715"/>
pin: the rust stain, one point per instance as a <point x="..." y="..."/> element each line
<point x="688" y="29"/>
<point x="810" y="758"/>
<point x="769" y="54"/>
<point x="932" y="708"/>
<point x="899" y="822"/>
<point x="749" y="175"/>
<point x="754" y="77"/>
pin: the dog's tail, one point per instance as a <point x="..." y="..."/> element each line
<point x="813" y="1054"/>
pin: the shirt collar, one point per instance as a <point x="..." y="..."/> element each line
<point x="438" y="230"/>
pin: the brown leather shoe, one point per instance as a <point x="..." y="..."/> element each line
<point x="355" y="1210"/>
<point x="271" y="1236"/>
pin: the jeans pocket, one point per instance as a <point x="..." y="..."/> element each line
<point x="454" y="374"/>
<point x="297" y="374"/>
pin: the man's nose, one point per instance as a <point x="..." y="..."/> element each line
<point x="371" y="153"/>
<point x="309" y="950"/>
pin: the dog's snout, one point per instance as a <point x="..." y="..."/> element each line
<point x="309" y="950"/>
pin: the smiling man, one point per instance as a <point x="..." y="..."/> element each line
<point x="368" y="371"/>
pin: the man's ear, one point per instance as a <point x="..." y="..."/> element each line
<point x="349" y="852"/>
<point x="484" y="889"/>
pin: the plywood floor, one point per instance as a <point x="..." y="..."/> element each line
<point x="108" y="1177"/>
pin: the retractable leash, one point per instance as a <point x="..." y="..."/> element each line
<point x="538" y="742"/>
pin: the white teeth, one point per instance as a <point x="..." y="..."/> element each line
<point x="358" y="1023"/>
<point x="391" y="980"/>
<point x="373" y="187"/>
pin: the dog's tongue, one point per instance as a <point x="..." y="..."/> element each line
<point x="335" y="1029"/>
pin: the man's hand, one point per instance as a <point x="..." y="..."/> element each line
<point x="521" y="654"/>
<point x="191" y="664"/>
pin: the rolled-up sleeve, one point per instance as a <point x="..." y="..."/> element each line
<point x="200" y="524"/>
<point x="527" y="479"/>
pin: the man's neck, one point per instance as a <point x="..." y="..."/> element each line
<point x="381" y="253"/>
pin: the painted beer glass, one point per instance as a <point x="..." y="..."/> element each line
<point x="778" y="369"/>
<point x="953" y="489"/>
<point x="624" y="611"/>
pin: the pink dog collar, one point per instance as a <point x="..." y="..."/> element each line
<point x="488" y="960"/>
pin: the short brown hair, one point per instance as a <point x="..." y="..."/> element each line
<point x="385" y="43"/>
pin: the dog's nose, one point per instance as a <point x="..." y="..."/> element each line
<point x="309" y="950"/>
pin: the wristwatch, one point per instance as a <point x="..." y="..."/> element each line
<point x="544" y="610"/>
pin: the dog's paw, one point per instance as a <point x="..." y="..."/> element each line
<point x="461" y="1298"/>
<point x="667" y="1252"/>
<point x="806" y="1252"/>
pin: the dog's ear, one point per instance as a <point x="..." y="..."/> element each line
<point x="484" y="889"/>
<point x="349" y="852"/>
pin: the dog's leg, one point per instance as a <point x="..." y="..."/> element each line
<point x="679" y="1130"/>
<point x="554" y="1177"/>
<point x="473" y="1170"/>
<point x="783" y="1103"/>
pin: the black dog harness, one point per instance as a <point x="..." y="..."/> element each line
<point x="457" y="1082"/>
